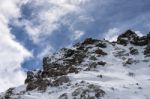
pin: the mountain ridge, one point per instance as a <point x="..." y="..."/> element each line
<point x="93" y="69"/>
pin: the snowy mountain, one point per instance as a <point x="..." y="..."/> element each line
<point x="93" y="69"/>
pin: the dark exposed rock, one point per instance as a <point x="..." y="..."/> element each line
<point x="30" y="77"/>
<point x="85" y="92"/>
<point x="79" y="57"/>
<point x="93" y="58"/>
<point x="140" y="41"/>
<point x="81" y="48"/>
<point x="101" y="45"/>
<point x="76" y="92"/>
<point x="60" y="80"/>
<point x="54" y="72"/>
<point x="131" y="37"/>
<point x="121" y="53"/>
<point x="75" y="59"/>
<point x="89" y="41"/>
<point x="31" y="86"/>
<point x="147" y="51"/>
<point x="51" y="65"/>
<point x="133" y="51"/>
<point x="40" y="84"/>
<point x="8" y="93"/>
<point x="100" y="52"/>
<point x="93" y="65"/>
<point x="43" y="84"/>
<point x="73" y="70"/>
<point x="68" y="52"/>
<point x="101" y="63"/>
<point x="100" y="76"/>
<point x="63" y="96"/>
<point x="46" y="63"/>
<point x="56" y="69"/>
<point x="129" y="61"/>
<point x="125" y="38"/>
<point x="131" y="74"/>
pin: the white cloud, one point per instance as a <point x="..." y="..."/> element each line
<point x="139" y="33"/>
<point x="112" y="34"/>
<point x="12" y="53"/>
<point x="47" y="51"/>
<point x="49" y="16"/>
<point x="77" y="35"/>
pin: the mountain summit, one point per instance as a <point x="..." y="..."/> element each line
<point x="93" y="69"/>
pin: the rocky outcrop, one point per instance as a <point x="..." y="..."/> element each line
<point x="89" y="91"/>
<point x="89" y="41"/>
<point x="127" y="37"/>
<point x="8" y="94"/>
<point x="131" y="37"/>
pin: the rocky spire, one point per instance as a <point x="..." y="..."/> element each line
<point x="128" y="36"/>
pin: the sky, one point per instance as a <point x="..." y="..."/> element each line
<point x="32" y="29"/>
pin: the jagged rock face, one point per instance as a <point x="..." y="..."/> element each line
<point x="70" y="58"/>
<point x="30" y="77"/>
<point x="128" y="36"/>
<point x="131" y="37"/>
<point x="93" y="69"/>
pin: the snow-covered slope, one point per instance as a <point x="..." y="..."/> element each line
<point x="94" y="69"/>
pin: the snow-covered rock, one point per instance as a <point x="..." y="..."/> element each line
<point x="93" y="69"/>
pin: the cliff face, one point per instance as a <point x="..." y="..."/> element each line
<point x="93" y="69"/>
